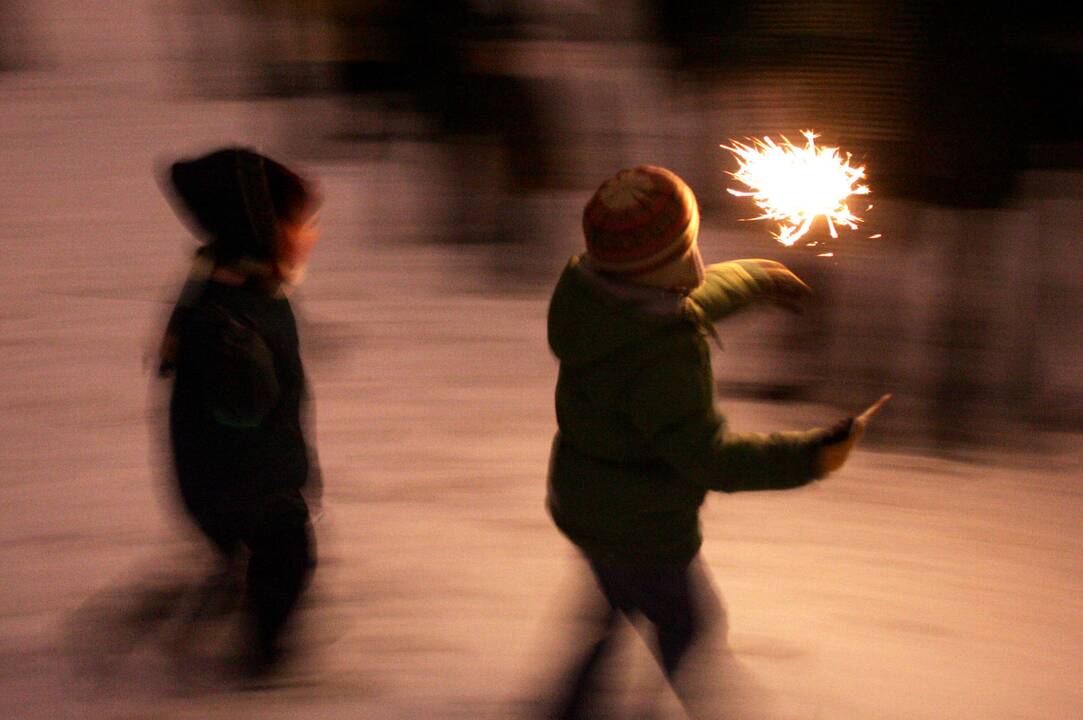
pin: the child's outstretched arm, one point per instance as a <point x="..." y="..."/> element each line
<point x="704" y="450"/>
<point x="730" y="286"/>
<point x="672" y="403"/>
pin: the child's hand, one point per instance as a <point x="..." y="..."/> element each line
<point x="841" y="439"/>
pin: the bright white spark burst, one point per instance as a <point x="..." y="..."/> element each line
<point x="794" y="185"/>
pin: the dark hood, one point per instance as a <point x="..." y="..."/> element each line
<point x="233" y="198"/>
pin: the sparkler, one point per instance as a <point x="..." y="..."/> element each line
<point x="794" y="185"/>
<point x="833" y="456"/>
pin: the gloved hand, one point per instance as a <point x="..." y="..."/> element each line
<point x="777" y="283"/>
<point x="840" y="440"/>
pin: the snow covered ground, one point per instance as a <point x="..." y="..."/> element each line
<point x="904" y="588"/>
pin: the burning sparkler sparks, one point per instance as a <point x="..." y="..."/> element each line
<point x="794" y="185"/>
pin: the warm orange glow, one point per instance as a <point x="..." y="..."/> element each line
<point x="794" y="185"/>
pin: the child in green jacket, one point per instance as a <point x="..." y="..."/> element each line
<point x="640" y="441"/>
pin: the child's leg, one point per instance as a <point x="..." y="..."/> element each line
<point x="223" y="529"/>
<point x="677" y="615"/>
<point x="677" y="599"/>
<point x="581" y="682"/>
<point x="279" y="568"/>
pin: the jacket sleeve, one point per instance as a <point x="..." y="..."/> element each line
<point x="671" y="402"/>
<point x="730" y="286"/>
<point x="234" y="365"/>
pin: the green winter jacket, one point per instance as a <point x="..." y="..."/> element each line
<point x="640" y="441"/>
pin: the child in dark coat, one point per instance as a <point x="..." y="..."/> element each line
<point x="237" y="437"/>
<point x="640" y="441"/>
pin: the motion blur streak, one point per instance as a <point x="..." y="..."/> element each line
<point x="455" y="143"/>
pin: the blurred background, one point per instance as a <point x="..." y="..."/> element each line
<point x="456" y="143"/>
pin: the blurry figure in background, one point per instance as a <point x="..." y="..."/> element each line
<point x="457" y="67"/>
<point x="456" y="60"/>
<point x="640" y="441"/>
<point x="236" y="430"/>
<point x="17" y="37"/>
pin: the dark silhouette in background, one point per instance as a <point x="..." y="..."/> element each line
<point x="236" y="426"/>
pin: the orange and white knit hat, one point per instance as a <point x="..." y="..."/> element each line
<point x="641" y="226"/>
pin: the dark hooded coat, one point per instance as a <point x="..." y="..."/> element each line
<point x="236" y="430"/>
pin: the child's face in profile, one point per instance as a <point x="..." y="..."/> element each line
<point x="294" y="245"/>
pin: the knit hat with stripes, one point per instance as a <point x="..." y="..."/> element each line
<point x="641" y="227"/>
